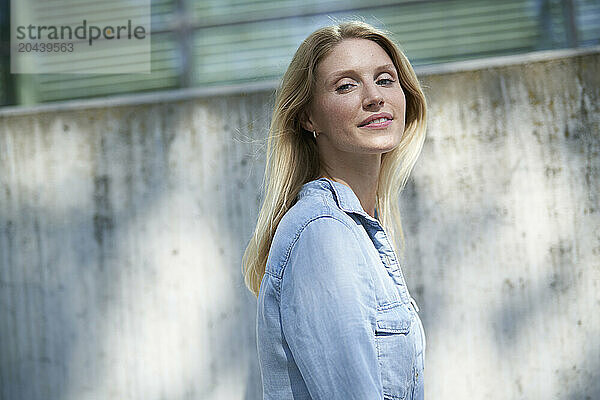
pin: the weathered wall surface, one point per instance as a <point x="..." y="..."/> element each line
<point x="121" y="234"/>
<point x="503" y="226"/>
<point x="122" y="228"/>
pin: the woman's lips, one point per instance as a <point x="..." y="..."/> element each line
<point x="378" y="125"/>
<point x="377" y="121"/>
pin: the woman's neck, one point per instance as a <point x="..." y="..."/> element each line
<point x="363" y="185"/>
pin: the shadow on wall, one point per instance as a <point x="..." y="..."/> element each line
<point x="121" y="248"/>
<point x="501" y="219"/>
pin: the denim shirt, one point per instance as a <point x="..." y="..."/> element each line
<point x="335" y="319"/>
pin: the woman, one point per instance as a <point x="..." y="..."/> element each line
<point x="335" y="319"/>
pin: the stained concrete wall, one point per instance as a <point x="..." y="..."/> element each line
<point x="123" y="222"/>
<point x="503" y="220"/>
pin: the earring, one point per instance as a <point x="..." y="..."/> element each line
<point x="315" y="134"/>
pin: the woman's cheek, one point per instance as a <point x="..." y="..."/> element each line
<point x="343" y="109"/>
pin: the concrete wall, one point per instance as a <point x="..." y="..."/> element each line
<point x="123" y="222"/>
<point x="503" y="221"/>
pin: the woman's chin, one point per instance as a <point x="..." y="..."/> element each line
<point x="382" y="144"/>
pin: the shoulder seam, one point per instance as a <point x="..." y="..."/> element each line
<point x="299" y="232"/>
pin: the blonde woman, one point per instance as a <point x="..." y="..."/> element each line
<point x="335" y="319"/>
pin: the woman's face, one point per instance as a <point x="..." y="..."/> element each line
<point x="358" y="105"/>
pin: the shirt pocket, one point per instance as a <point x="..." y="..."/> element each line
<point x="395" y="350"/>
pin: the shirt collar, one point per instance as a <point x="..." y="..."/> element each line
<point x="343" y="195"/>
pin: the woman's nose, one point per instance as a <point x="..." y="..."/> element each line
<point x="373" y="100"/>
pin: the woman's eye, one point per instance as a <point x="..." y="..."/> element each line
<point x="343" y="87"/>
<point x="385" y="81"/>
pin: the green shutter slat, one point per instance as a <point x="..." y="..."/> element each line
<point x="160" y="82"/>
<point x="588" y="21"/>
<point x="92" y="81"/>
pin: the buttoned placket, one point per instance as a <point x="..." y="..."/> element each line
<point x="378" y="236"/>
<point x="389" y="259"/>
<point x="391" y="263"/>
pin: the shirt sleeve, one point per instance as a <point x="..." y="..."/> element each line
<point x="328" y="311"/>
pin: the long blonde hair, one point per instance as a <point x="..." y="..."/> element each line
<point x="292" y="157"/>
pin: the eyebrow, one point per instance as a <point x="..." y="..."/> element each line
<point x="338" y="74"/>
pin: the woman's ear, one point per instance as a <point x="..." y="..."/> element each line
<point x="305" y="121"/>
